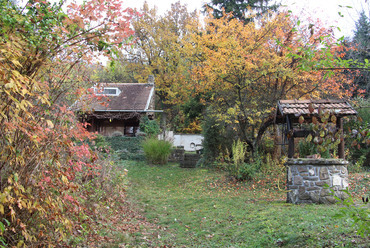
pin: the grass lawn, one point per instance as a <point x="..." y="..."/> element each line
<point x="205" y="208"/>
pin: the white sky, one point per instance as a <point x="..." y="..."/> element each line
<point x="326" y="10"/>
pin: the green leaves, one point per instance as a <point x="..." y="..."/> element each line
<point x="359" y="215"/>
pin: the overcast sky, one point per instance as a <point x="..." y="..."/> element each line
<point x="326" y="10"/>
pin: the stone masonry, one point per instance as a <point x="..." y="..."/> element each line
<point x="177" y="154"/>
<point x="186" y="160"/>
<point x="306" y="180"/>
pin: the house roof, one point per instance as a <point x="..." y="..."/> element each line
<point x="301" y="107"/>
<point x="133" y="97"/>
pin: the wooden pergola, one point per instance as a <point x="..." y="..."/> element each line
<point x="289" y="111"/>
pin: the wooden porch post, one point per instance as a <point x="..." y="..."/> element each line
<point x="341" y="144"/>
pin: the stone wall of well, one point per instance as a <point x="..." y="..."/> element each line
<point x="306" y="180"/>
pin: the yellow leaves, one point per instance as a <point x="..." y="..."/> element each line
<point x="21" y="243"/>
<point x="231" y="111"/>
<point x="301" y="119"/>
<point x="65" y="180"/>
<point x="50" y="123"/>
<point x="333" y="119"/>
<point x="10" y="85"/>
<point x="12" y="213"/>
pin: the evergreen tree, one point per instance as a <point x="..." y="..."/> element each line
<point x="240" y="8"/>
<point x="361" y="52"/>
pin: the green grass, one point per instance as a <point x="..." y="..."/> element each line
<point x="205" y="208"/>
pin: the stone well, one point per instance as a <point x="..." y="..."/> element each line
<point x="306" y="179"/>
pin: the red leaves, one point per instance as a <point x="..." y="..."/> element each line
<point x="69" y="198"/>
<point x="47" y="179"/>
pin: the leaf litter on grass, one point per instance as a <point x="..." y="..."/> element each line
<point x="209" y="209"/>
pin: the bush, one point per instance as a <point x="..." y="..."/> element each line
<point x="127" y="148"/>
<point x="358" y="215"/>
<point x="149" y="127"/>
<point x="309" y="148"/>
<point x="239" y="169"/>
<point x="359" y="135"/>
<point x="157" y="151"/>
<point x="217" y="140"/>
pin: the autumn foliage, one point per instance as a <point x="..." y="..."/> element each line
<point x="44" y="153"/>
<point x="245" y="68"/>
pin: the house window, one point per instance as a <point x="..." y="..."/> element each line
<point x="107" y="91"/>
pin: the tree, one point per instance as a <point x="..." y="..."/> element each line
<point x="44" y="51"/>
<point x="117" y="71"/>
<point x="241" y="9"/>
<point x="159" y="50"/>
<point x="358" y="51"/>
<point x="247" y="68"/>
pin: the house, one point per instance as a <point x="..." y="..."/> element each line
<point x="117" y="108"/>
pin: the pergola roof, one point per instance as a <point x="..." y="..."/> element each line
<point x="302" y="107"/>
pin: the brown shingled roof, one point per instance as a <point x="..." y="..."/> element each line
<point x="133" y="96"/>
<point x="301" y="107"/>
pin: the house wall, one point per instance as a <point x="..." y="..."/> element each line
<point x="114" y="127"/>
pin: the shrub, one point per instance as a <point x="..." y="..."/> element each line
<point x="239" y="169"/>
<point x="127" y="148"/>
<point x="306" y="148"/>
<point x="358" y="215"/>
<point x="359" y="135"/>
<point x="150" y="127"/>
<point x="157" y="151"/>
<point x="217" y="140"/>
<point x="43" y="147"/>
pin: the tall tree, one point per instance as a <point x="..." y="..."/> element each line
<point x="241" y="9"/>
<point x="117" y="71"/>
<point x="359" y="51"/>
<point x="158" y="50"/>
<point x="248" y="67"/>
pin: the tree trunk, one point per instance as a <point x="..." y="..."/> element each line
<point x="268" y="122"/>
<point x="244" y="137"/>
